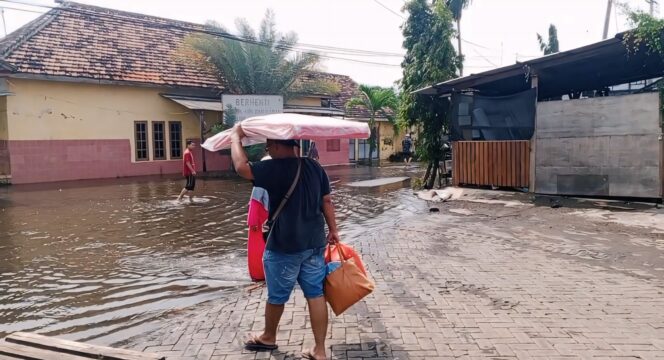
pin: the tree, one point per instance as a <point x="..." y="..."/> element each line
<point x="647" y="32"/>
<point x="375" y="99"/>
<point x="430" y="58"/>
<point x="457" y="7"/>
<point x="260" y="62"/>
<point x="253" y="62"/>
<point x="550" y="47"/>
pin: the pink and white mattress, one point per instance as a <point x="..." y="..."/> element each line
<point x="290" y="126"/>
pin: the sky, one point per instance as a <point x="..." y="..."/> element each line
<point x="495" y="32"/>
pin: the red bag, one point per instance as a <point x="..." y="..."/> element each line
<point x="331" y="254"/>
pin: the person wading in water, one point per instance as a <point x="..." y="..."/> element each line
<point x="189" y="171"/>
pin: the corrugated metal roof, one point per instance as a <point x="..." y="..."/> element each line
<point x="197" y="103"/>
<point x="590" y="67"/>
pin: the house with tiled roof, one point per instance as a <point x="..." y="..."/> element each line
<point x="89" y="92"/>
<point x="389" y="141"/>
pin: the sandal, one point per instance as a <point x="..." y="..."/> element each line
<point x="254" y="344"/>
<point x="308" y="355"/>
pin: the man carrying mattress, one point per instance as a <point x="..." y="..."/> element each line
<point x="300" y="205"/>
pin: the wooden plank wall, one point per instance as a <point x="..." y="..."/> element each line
<point x="492" y="163"/>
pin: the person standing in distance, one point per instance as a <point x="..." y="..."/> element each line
<point x="407" y="147"/>
<point x="188" y="171"/>
<point x="313" y="152"/>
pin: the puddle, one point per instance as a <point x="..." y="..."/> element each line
<point x="100" y="260"/>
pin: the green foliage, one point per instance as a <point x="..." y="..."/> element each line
<point x="456" y="7"/>
<point x="315" y="88"/>
<point x="230" y="116"/>
<point x="217" y="128"/>
<point x="430" y="58"/>
<point x="229" y="119"/>
<point x="648" y="31"/>
<point x="263" y="65"/>
<point x="255" y="152"/>
<point x="375" y="99"/>
<point x="417" y="184"/>
<point x="552" y="46"/>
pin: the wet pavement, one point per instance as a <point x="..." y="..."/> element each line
<point x="489" y="276"/>
<point x="106" y="260"/>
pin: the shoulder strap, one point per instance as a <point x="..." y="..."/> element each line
<point x="290" y="191"/>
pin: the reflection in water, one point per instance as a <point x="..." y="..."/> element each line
<point x="107" y="259"/>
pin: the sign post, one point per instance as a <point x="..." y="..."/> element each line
<point x="240" y="107"/>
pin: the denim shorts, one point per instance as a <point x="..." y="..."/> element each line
<point x="282" y="270"/>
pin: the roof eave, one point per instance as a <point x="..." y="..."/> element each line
<point x="6" y="67"/>
<point x="460" y="84"/>
<point x="86" y="80"/>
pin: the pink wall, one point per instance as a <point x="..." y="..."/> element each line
<point x="214" y="161"/>
<point x="333" y="157"/>
<point x="34" y="161"/>
<point x="4" y="157"/>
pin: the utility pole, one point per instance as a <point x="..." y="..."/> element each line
<point x="609" y="5"/>
<point x="652" y="6"/>
<point x="4" y="23"/>
<point x="501" y="53"/>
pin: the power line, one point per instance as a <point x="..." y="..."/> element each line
<point x="19" y="9"/>
<point x="4" y="22"/>
<point x="215" y="33"/>
<point x="301" y="47"/>
<point x="478" y="45"/>
<point x="355" y="52"/>
<point x="221" y="34"/>
<point x="319" y="50"/>
<point x="485" y="58"/>
<point x="390" y="10"/>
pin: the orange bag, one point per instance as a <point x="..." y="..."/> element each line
<point x="346" y="285"/>
<point x="332" y="255"/>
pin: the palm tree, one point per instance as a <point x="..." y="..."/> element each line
<point x="456" y="8"/>
<point x="257" y="63"/>
<point x="375" y="99"/>
<point x="552" y="46"/>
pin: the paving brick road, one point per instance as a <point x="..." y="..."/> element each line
<point x="485" y="282"/>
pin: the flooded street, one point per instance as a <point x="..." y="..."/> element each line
<point x="108" y="259"/>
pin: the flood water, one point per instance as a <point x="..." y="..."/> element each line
<point x="109" y="259"/>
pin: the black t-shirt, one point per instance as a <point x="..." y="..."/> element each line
<point x="301" y="225"/>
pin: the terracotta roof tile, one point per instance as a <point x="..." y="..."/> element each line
<point x="98" y="43"/>
<point x="85" y="41"/>
<point x="348" y="89"/>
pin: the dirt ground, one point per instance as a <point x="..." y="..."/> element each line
<point x="618" y="236"/>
